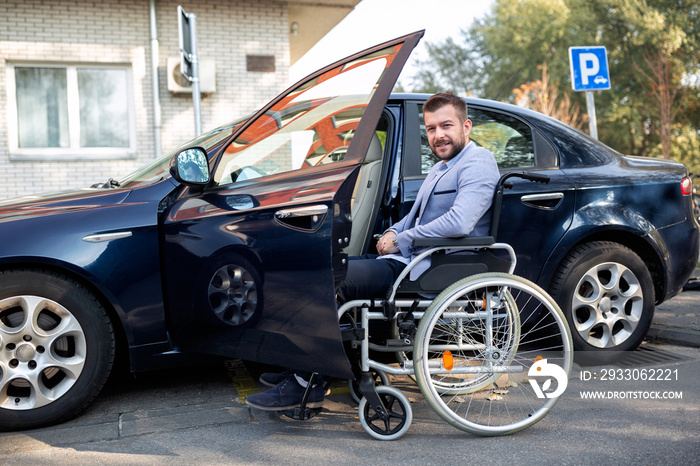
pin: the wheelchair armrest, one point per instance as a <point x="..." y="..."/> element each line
<point x="454" y="242"/>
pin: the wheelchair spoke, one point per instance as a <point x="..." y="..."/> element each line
<point x="508" y="325"/>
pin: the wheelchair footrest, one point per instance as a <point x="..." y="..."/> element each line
<point x="302" y="414"/>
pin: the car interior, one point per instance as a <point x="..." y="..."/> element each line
<point x="365" y="193"/>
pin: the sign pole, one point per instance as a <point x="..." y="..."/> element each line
<point x="189" y="60"/>
<point x="589" y="72"/>
<point x="592" y="123"/>
<point x="196" y="95"/>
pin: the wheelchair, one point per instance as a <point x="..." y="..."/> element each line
<point x="483" y="345"/>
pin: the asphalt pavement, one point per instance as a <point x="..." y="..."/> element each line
<point x="186" y="416"/>
<point x="677" y="321"/>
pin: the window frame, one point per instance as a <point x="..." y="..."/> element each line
<point x="319" y="101"/>
<point x="74" y="151"/>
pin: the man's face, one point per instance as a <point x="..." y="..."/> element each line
<point x="447" y="136"/>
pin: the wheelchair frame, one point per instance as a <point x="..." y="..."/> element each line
<point x="503" y="329"/>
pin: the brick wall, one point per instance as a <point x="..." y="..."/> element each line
<point x="118" y="31"/>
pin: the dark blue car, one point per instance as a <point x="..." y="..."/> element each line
<point x="232" y="244"/>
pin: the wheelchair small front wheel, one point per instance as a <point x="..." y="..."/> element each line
<point x="493" y="332"/>
<point x="398" y="419"/>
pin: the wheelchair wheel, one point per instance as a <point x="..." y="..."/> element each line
<point x="506" y="341"/>
<point x="380" y="378"/>
<point x="507" y="332"/>
<point x="505" y="336"/>
<point x="398" y="408"/>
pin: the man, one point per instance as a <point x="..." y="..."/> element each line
<point x="453" y="201"/>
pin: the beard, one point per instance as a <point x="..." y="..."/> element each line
<point x="457" y="147"/>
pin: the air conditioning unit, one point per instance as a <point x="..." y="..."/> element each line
<point x="178" y="84"/>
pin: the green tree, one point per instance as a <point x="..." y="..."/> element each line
<point x="653" y="49"/>
<point x="657" y="48"/>
<point x="451" y="66"/>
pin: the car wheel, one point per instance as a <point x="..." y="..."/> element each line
<point x="57" y="348"/>
<point x="606" y="293"/>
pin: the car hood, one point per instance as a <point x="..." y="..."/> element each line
<point x="59" y="202"/>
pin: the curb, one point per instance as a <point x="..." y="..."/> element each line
<point x="674" y="336"/>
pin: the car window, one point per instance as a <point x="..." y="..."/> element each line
<point x="508" y="139"/>
<point x="310" y="126"/>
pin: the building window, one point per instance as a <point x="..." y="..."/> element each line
<point x="59" y="112"/>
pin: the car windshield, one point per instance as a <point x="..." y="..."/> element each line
<point x="158" y="169"/>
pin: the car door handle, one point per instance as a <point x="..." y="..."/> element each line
<point x="545" y="201"/>
<point x="302" y="211"/>
<point x="307" y="219"/>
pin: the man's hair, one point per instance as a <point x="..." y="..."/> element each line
<point x="441" y="99"/>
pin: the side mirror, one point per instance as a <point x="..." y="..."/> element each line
<point x="191" y="167"/>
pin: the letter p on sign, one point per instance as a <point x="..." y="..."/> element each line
<point x="589" y="66"/>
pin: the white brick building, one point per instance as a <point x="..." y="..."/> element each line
<point x="77" y="99"/>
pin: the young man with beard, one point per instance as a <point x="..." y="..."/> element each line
<point x="453" y="202"/>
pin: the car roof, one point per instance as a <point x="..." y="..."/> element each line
<point x="525" y="112"/>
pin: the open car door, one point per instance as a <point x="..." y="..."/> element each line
<point x="252" y="260"/>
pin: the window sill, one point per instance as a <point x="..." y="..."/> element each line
<point x="67" y="155"/>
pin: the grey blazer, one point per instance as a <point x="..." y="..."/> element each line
<point x="452" y="202"/>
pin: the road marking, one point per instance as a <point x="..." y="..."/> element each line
<point x="242" y="381"/>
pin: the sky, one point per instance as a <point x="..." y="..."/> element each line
<point x="376" y="21"/>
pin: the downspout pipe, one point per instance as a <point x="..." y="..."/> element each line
<point x="155" y="58"/>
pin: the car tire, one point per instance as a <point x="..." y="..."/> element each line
<point x="607" y="295"/>
<point x="57" y="348"/>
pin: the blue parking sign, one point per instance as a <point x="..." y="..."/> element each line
<point x="589" y="68"/>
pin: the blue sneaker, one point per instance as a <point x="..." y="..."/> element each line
<point x="272" y="379"/>
<point x="286" y="395"/>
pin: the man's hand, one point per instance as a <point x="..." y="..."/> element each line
<point x="385" y="245"/>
